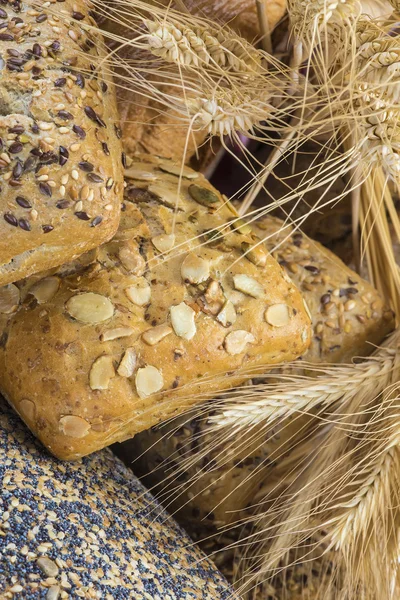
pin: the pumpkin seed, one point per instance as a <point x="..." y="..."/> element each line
<point x="203" y="195"/>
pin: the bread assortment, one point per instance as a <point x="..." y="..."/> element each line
<point x="154" y="324"/>
<point x="89" y="529"/>
<point x="135" y="300"/>
<point x="349" y="319"/>
<point x="61" y="172"/>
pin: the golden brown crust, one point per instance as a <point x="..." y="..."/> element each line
<point x="139" y="336"/>
<point x="349" y="318"/>
<point x="60" y="160"/>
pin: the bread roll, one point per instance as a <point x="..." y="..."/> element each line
<point x="349" y="318"/>
<point x="154" y="325"/>
<point x="89" y="530"/>
<point x="60" y="162"/>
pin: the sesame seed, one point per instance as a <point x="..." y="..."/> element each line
<point x="75" y="174"/>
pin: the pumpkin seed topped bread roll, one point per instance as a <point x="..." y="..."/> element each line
<point x="349" y="319"/>
<point x="61" y="172"/>
<point x="170" y="312"/>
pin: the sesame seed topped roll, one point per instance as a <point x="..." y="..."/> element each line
<point x="60" y="156"/>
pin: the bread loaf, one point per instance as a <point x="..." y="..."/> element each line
<point x="89" y="530"/>
<point x="348" y="317"/>
<point x="60" y="162"/>
<point x="170" y="312"/>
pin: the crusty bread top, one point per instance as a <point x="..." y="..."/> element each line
<point x="349" y="319"/>
<point x="176" y="301"/>
<point x="349" y="315"/>
<point x="60" y="157"/>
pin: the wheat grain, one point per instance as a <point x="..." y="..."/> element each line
<point x="186" y="46"/>
<point x="303" y="396"/>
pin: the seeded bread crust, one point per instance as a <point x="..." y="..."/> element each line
<point x="154" y="325"/>
<point x="348" y="317"/>
<point x="61" y="174"/>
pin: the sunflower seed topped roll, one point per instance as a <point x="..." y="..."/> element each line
<point x="60" y="157"/>
<point x="170" y="312"/>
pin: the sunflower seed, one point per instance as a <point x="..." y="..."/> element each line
<point x="48" y="566"/>
<point x="131" y="260"/>
<point x="227" y="316"/>
<point x="9" y="298"/>
<point x="195" y="269"/>
<point x="139" y="293"/>
<point x="255" y="254"/>
<point x="45" y="289"/>
<point x="156" y="334"/>
<point x="116" y="334"/>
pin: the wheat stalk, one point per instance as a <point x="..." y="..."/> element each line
<point x="187" y="46"/>
<point x="302" y="395"/>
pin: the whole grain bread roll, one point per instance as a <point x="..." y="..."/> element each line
<point x="170" y="311"/>
<point x="61" y="172"/>
<point x="349" y="319"/>
<point x="89" y="530"/>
